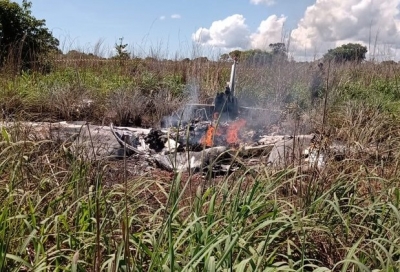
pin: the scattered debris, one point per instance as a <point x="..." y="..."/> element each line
<point x="289" y="151"/>
<point x="209" y="136"/>
<point x="190" y="160"/>
<point x="185" y="148"/>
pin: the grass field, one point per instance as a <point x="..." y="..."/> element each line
<point x="59" y="213"/>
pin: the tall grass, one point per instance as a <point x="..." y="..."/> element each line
<point x="62" y="214"/>
<point x="59" y="213"/>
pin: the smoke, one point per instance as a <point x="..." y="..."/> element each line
<point x="193" y="89"/>
<point x="185" y="113"/>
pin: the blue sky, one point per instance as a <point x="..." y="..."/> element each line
<point x="174" y="27"/>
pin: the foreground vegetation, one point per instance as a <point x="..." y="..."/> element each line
<point x="62" y="214"/>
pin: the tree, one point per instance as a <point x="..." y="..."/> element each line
<point x="25" y="41"/>
<point x="347" y="52"/>
<point x="257" y="57"/>
<point x="122" y="53"/>
<point x="235" y="54"/>
<point x="224" y="57"/>
<point x="253" y="56"/>
<point x="201" y="59"/>
<point x="278" y="51"/>
<point x="74" y="54"/>
<point x="278" y="48"/>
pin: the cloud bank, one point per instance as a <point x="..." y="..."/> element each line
<point x="326" y="24"/>
<point x="229" y="33"/>
<point x="331" y="23"/>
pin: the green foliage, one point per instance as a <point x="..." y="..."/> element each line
<point x="174" y="83"/>
<point x="347" y="52"/>
<point x="257" y="56"/>
<point x="25" y="41"/>
<point x="235" y="54"/>
<point x="224" y="57"/>
<point x="279" y="50"/>
<point x="63" y="214"/>
<point x="383" y="92"/>
<point x="74" y="54"/>
<point x="122" y="52"/>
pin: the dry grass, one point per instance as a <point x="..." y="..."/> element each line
<point x="61" y="213"/>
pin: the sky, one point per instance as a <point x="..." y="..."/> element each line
<point x="193" y="28"/>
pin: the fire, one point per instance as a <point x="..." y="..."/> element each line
<point x="232" y="131"/>
<point x="208" y="138"/>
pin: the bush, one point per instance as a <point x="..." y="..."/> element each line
<point x="25" y="41"/>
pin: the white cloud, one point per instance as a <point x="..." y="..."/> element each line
<point x="231" y="32"/>
<point x="175" y="16"/>
<point x="326" y="24"/>
<point x="258" y="2"/>
<point x="269" y="31"/>
<point x="331" y="23"/>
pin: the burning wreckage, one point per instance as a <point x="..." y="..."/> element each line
<point x="220" y="137"/>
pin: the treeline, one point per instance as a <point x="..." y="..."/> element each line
<point x="24" y="40"/>
<point x="26" y="43"/>
<point x="276" y="52"/>
<point x="351" y="52"/>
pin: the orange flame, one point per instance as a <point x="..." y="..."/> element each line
<point x="232" y="131"/>
<point x="207" y="139"/>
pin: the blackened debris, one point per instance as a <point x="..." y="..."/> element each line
<point x="155" y="140"/>
<point x="226" y="105"/>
